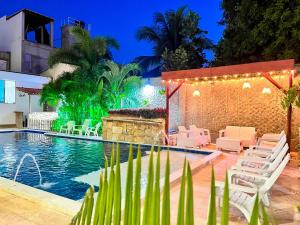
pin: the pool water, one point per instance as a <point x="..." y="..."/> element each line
<point x="60" y="160"/>
<point x="69" y="166"/>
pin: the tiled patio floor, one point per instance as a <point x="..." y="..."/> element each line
<point x="17" y="210"/>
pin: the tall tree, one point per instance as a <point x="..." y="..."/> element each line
<point x="171" y="30"/>
<point x="259" y="30"/>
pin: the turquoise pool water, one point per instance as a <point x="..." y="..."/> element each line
<point x="60" y="160"/>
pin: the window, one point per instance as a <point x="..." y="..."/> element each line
<point x="7" y="91"/>
<point x="3" y="64"/>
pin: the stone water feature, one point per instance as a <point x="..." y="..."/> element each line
<point x="133" y="129"/>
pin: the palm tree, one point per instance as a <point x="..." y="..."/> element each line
<point x="120" y="84"/>
<point x="172" y="30"/>
<point x="86" y="52"/>
<point x="76" y="92"/>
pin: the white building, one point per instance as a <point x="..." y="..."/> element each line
<point x="18" y="96"/>
<point x="26" y="40"/>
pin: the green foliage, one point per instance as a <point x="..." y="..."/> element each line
<point x="292" y="97"/>
<point x="128" y="191"/>
<point x="175" y="60"/>
<point x="258" y="31"/>
<point x="212" y="211"/>
<point x="120" y="84"/>
<point x="225" y="203"/>
<point x="171" y="30"/>
<point x="95" y="86"/>
<point x="107" y="209"/>
<point x="136" y="213"/>
<point x="166" y="210"/>
<point x="144" y="113"/>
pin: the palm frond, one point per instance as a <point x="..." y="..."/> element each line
<point x="147" y="33"/>
<point x="147" y="62"/>
<point x="130" y="69"/>
<point x="112" y="43"/>
<point x="100" y="45"/>
<point x="67" y="55"/>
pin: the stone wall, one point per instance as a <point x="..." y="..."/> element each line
<point x="227" y="103"/>
<point x="133" y="129"/>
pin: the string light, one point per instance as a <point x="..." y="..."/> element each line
<point x="234" y="77"/>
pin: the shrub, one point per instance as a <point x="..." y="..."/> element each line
<point x="144" y="113"/>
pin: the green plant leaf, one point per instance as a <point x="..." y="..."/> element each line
<point x="225" y="204"/>
<point x="128" y="191"/>
<point x="110" y="195"/>
<point x="155" y="217"/>
<point x="181" y="204"/>
<point x="103" y="199"/>
<point x="265" y="217"/>
<point x="189" y="212"/>
<point x="117" y="191"/>
<point x="212" y="211"/>
<point x="136" y="211"/>
<point x="254" y="220"/>
<point x="90" y="205"/>
<point x="165" y="217"/>
<point x="98" y="202"/>
<point x="149" y="191"/>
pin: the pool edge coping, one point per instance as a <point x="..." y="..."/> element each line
<point x="52" y="201"/>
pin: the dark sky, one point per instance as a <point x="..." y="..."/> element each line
<point x="118" y="18"/>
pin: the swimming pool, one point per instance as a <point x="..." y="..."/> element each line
<point x="62" y="161"/>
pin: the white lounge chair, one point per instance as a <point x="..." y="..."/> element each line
<point x="94" y="130"/>
<point x="269" y="153"/>
<point x="68" y="128"/>
<point x="204" y="133"/>
<point x="84" y="128"/>
<point x="188" y="138"/>
<point x="272" y="137"/>
<point x="243" y="197"/>
<point x="243" y="174"/>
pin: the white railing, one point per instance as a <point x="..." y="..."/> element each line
<point x="41" y="120"/>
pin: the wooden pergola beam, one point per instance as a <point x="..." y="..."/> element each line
<point x="168" y="96"/>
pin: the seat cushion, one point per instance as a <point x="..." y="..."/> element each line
<point x="247" y="133"/>
<point x="232" y="132"/>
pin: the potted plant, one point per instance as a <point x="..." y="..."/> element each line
<point x="292" y="98"/>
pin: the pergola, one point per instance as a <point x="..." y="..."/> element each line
<point x="222" y="73"/>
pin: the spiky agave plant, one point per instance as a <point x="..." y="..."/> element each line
<point x="107" y="209"/>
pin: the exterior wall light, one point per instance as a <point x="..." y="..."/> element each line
<point x="196" y="93"/>
<point x="246" y="85"/>
<point x="148" y="90"/>
<point x="266" y="90"/>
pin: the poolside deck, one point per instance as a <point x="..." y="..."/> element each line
<point x="18" y="209"/>
<point x="285" y="193"/>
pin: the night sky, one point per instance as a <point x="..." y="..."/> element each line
<point x="118" y="18"/>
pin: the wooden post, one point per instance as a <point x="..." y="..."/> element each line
<point x="289" y="114"/>
<point x="167" y="108"/>
<point x="168" y="96"/>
